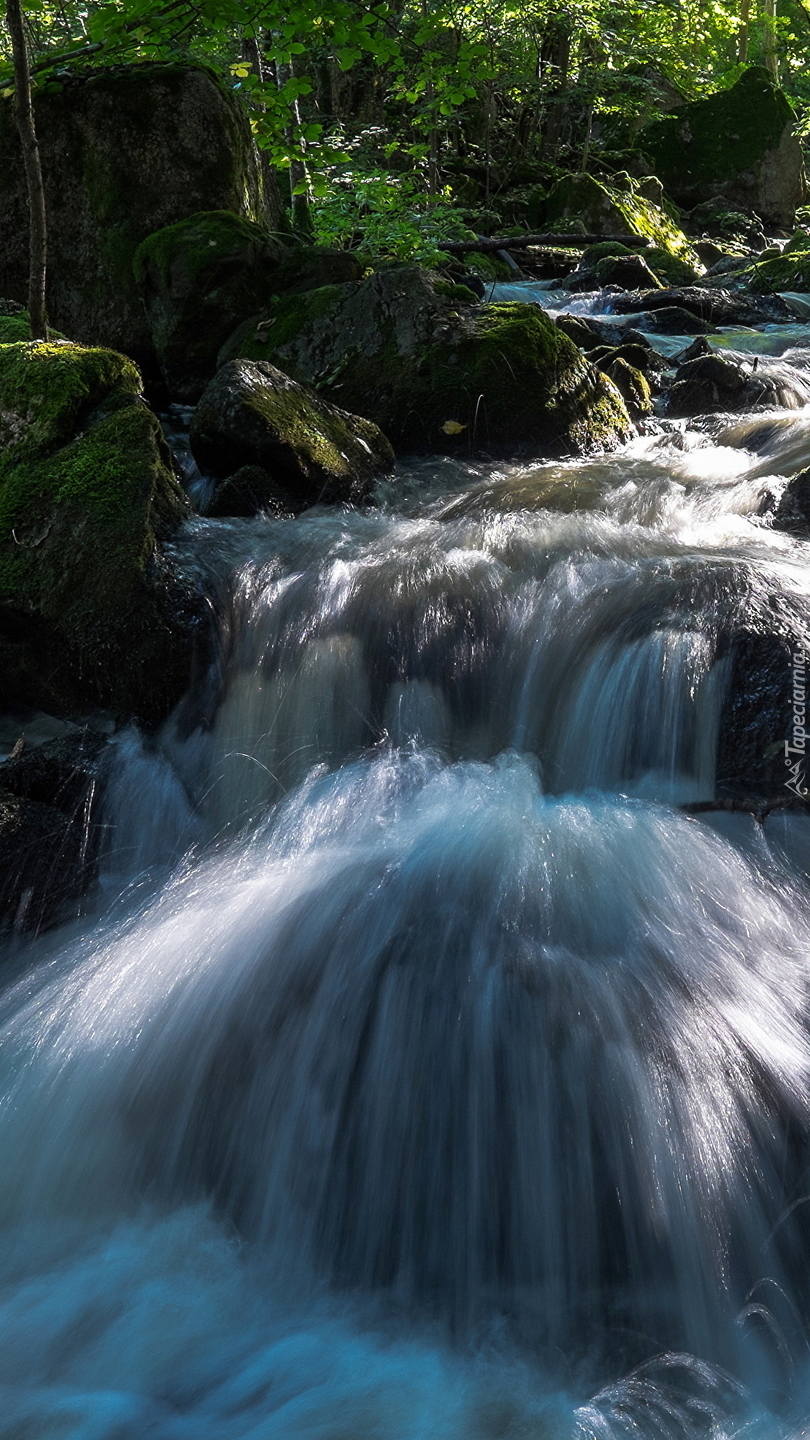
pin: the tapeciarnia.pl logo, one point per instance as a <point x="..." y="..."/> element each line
<point x="796" y="746"/>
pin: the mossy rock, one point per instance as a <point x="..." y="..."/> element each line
<point x="671" y="269"/>
<point x="488" y="266"/>
<point x="799" y="241"/>
<point x="88" y="613"/>
<point x="738" y="144"/>
<point x="437" y="375"/>
<point x="789" y="272"/>
<point x="252" y="414"/>
<point x="125" y="150"/>
<point x="615" y="211"/>
<point x="198" y="279"/>
<point x="632" y="385"/>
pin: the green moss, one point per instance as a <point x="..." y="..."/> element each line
<point x="487" y="266"/>
<point x="603" y="249"/>
<point x="461" y="294"/>
<point x="46" y="386"/>
<point x="712" y="139"/>
<point x="77" y="526"/>
<point x="14" y="328"/>
<point x="799" y="241"/>
<point x="787" y="272"/>
<point x="261" y="335"/>
<point x="672" y="270"/>
<point x="201" y="242"/>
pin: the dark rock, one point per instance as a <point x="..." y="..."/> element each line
<point x="715" y="306"/>
<point x="587" y="334"/>
<point x="249" y="491"/>
<point x="90" y="611"/>
<point x="793" y="510"/>
<point x="198" y="280"/>
<point x="60" y="773"/>
<point x="739" y="144"/>
<point x="126" y="150"/>
<point x="756" y="716"/>
<point x="437" y="372"/>
<point x="631" y="272"/>
<point x="253" y="414"/>
<point x="632" y="385"/>
<point x="714" y="218"/>
<point x="672" y="320"/>
<point x="714" y="383"/>
<point x="44" y="868"/>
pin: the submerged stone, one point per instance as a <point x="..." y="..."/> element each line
<point x="438" y="373"/>
<point x="252" y="414"/>
<point x="738" y="144"/>
<point x="125" y="150"/>
<point x="89" y="613"/>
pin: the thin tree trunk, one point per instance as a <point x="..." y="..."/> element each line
<point x="300" y="189"/>
<point x="769" y="47"/>
<point x="744" y="31"/>
<point x="24" y="112"/>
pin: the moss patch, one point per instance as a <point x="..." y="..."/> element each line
<point x="47" y="387"/>
<point x="787" y="272"/>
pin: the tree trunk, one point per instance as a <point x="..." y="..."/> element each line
<point x="300" y="189"/>
<point x="744" y="31"/>
<point x="24" y="112"/>
<point x="769" y="42"/>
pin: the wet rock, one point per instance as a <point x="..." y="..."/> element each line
<point x="125" y="151"/>
<point x="714" y="383"/>
<point x="715" y="306"/>
<point x="632" y="385"/>
<point x="756" y="716"/>
<point x="782" y="272"/>
<point x="61" y="772"/>
<point x="198" y="280"/>
<point x="672" y="320"/>
<point x="587" y="334"/>
<point x="631" y="272"/>
<point x="249" y="491"/>
<point x="436" y="371"/>
<point x="792" y="513"/>
<point x="90" y="611"/>
<point x="254" y="414"/>
<point x="44" y="870"/>
<point x="738" y="144"/>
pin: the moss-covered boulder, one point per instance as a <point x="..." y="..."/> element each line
<point x="789" y="272"/>
<point x="436" y="372"/>
<point x="614" y="210"/>
<point x="630" y="272"/>
<point x="89" y="614"/>
<point x="739" y="144"/>
<point x="125" y="151"/>
<point x="198" y="279"/>
<point x="253" y="414"/>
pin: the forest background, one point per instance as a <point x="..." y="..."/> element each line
<point x="398" y="124"/>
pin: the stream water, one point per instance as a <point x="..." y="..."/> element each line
<point x="426" y="1070"/>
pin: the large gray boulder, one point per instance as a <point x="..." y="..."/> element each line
<point x="125" y="151"/>
<point x="739" y="144"/>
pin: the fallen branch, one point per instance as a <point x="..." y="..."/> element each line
<point x="525" y="242"/>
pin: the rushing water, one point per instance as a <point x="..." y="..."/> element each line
<point x="427" y="1069"/>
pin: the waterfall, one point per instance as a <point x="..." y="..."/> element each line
<point x="427" y="1068"/>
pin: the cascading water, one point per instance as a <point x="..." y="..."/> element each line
<point x="428" y="1071"/>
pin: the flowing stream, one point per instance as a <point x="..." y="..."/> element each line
<point x="427" y="1068"/>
